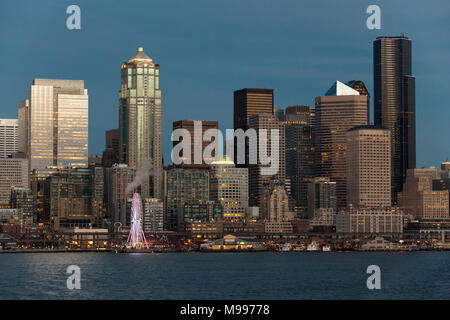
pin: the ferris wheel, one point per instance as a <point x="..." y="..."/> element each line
<point x="136" y="238"/>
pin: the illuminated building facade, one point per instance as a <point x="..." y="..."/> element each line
<point x="140" y="112"/>
<point x="13" y="174"/>
<point x="57" y="124"/>
<point x="229" y="187"/>
<point x="8" y="137"/>
<point x="418" y="197"/>
<point x="369" y="166"/>
<point x="341" y="109"/>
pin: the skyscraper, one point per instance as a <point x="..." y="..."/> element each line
<point x="111" y="153"/>
<point x="8" y="137"/>
<point x="341" y="109"/>
<point x="140" y="115"/>
<point x="258" y="180"/>
<point x="196" y="129"/>
<point x="369" y="166"/>
<point x="359" y="86"/>
<point x="249" y="102"/>
<point x="57" y="124"/>
<point x="229" y="187"/>
<point x="394" y="102"/>
<point x="23" y="123"/>
<point x="299" y="153"/>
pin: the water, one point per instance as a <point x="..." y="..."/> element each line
<point x="262" y="275"/>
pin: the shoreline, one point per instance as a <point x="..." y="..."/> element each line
<point x="121" y="251"/>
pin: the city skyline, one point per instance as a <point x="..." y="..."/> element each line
<point x="297" y="80"/>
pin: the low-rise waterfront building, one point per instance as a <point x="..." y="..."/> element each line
<point x="370" y="220"/>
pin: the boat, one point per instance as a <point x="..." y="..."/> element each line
<point x="313" y="246"/>
<point x="326" y="248"/>
<point x="285" y="247"/>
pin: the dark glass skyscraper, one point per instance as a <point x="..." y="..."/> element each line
<point x="394" y="102"/>
<point x="299" y="153"/>
<point x="249" y="102"/>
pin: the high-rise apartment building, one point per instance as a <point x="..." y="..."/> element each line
<point x="369" y="166"/>
<point x="299" y="153"/>
<point x="229" y="187"/>
<point x="57" y="127"/>
<point x="247" y="103"/>
<point x="197" y="145"/>
<point x="8" y="137"/>
<point x="394" y="102"/>
<point x="341" y="109"/>
<point x="140" y="126"/>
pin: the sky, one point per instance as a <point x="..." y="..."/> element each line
<point x="206" y="49"/>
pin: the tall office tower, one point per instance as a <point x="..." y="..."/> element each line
<point x="23" y="112"/>
<point x="8" y="137"/>
<point x="111" y="153"/>
<point x="117" y="179"/>
<point x="299" y="154"/>
<point x="196" y="129"/>
<point x="341" y="109"/>
<point x="418" y="197"/>
<point x="13" y="174"/>
<point x="140" y="123"/>
<point x="260" y="175"/>
<point x="394" y="103"/>
<point x="359" y="86"/>
<point x="187" y="195"/>
<point x="229" y="187"/>
<point x="58" y="124"/>
<point x="369" y="166"/>
<point x="249" y="102"/>
<point x="321" y="195"/>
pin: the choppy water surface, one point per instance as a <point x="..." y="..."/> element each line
<point x="263" y="275"/>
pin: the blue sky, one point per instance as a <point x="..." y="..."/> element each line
<point x="207" y="49"/>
